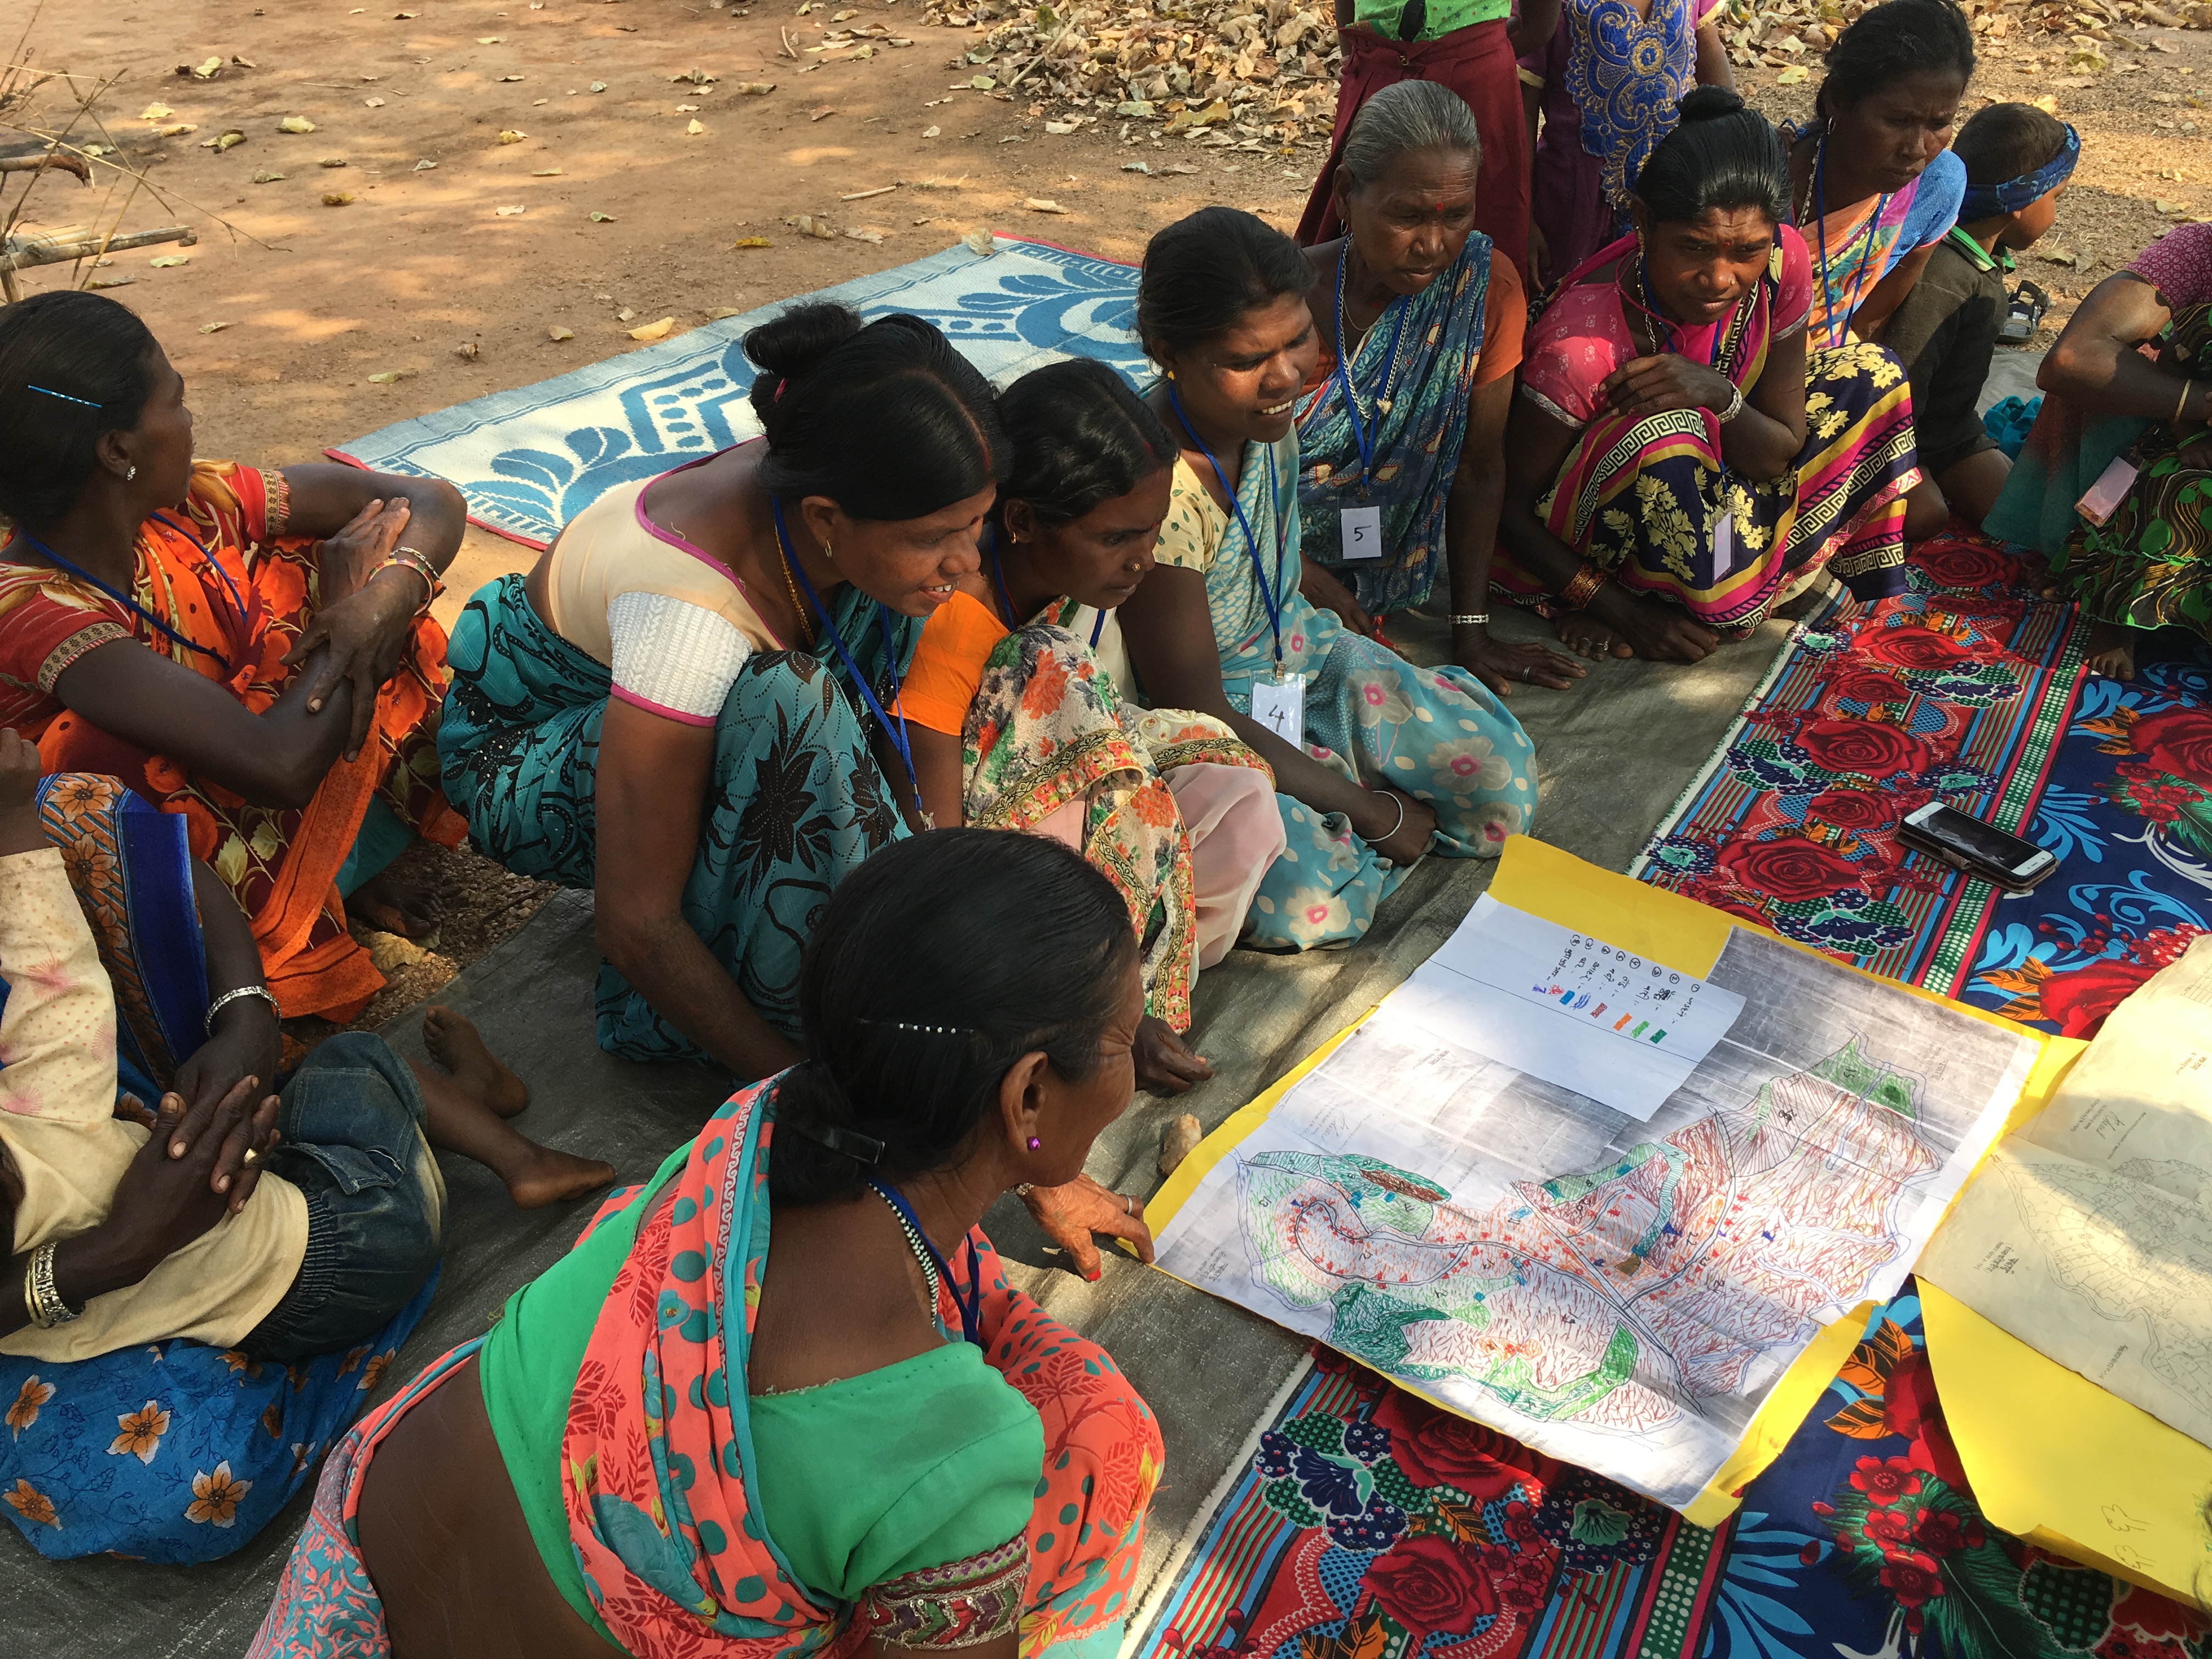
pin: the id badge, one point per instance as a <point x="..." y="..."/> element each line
<point x="1280" y="705"/>
<point x="1724" y="543"/>
<point x="1361" y="528"/>
<point x="2105" y="497"/>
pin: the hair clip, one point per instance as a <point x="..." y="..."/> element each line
<point x="63" y="396"/>
<point x="782" y="381"/>
<point x="861" y="1149"/>
<point x="931" y="1030"/>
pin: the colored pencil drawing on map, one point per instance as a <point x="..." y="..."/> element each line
<point x="1618" y="1294"/>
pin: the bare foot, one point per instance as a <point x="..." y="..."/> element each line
<point x="1586" y="636"/>
<point x="393" y="906"/>
<point x="546" y="1176"/>
<point x="459" y="1047"/>
<point x="2111" y="651"/>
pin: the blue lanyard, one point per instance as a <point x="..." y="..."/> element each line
<point x="1821" y="218"/>
<point x="1344" y="373"/>
<point x="139" y="611"/>
<point x="895" y="733"/>
<point x="971" y="1307"/>
<point x="1251" y="541"/>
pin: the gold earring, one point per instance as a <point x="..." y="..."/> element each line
<point x="1171" y="374"/>
<point x="829" y="552"/>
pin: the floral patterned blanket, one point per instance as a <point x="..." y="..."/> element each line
<point x="1956" y="689"/>
<point x="2129" y="810"/>
<point x="1368" y="1524"/>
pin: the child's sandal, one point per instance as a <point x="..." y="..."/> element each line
<point x="2025" y="316"/>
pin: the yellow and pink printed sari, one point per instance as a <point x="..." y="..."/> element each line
<point x="1652" y="501"/>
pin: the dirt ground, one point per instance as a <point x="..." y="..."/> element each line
<point x="501" y="171"/>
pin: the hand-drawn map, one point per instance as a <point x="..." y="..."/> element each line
<point x="1618" y="1294"/>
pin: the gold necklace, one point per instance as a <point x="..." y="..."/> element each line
<point x="792" y="587"/>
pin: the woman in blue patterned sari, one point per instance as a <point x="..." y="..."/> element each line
<point x="1376" y="762"/>
<point x="1401" y="437"/>
<point x="681" y="707"/>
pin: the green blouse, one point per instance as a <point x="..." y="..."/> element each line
<point x="863" y="1480"/>
<point x="1387" y="17"/>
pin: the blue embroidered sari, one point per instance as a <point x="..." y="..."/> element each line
<point x="1413" y="374"/>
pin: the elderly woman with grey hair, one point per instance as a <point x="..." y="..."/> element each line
<point x="1401" y="430"/>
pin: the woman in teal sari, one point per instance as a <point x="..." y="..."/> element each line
<point x="1402" y="436"/>
<point x="682" y="708"/>
<point x="1376" y="762"/>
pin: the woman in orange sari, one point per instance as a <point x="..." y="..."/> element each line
<point x="249" y="649"/>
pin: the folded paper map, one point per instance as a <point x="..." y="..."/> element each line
<point x="2088" y="1235"/>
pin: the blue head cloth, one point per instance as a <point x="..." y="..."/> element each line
<point x="1987" y="201"/>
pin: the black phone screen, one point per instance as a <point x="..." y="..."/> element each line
<point x="1981" y="843"/>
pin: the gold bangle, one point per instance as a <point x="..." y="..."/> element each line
<point x="1578" y="593"/>
<point x="2182" y="401"/>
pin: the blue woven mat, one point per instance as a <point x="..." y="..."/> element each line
<point x="531" y="459"/>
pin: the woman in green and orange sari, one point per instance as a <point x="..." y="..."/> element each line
<point x="781" y="1401"/>
<point x="249" y="649"/>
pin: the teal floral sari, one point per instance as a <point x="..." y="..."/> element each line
<point x="1436" y="733"/>
<point x="1414" y="375"/>
<point x="794" y="799"/>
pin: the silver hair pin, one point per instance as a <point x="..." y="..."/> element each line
<point x="65" y="397"/>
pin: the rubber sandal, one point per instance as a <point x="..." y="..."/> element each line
<point x="2025" y="315"/>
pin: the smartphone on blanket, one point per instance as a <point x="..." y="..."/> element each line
<point x="1980" y="849"/>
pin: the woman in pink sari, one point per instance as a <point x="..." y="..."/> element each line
<point x="1680" y="460"/>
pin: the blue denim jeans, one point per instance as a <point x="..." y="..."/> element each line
<point x="374" y="1199"/>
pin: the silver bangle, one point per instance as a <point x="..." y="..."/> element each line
<point x="229" y="997"/>
<point x="1735" y="404"/>
<point x="1475" y="619"/>
<point x="40" y="1294"/>
<point x="1395" y="828"/>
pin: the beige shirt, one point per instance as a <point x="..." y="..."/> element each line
<point x="57" y="1125"/>
<point x="611" y="549"/>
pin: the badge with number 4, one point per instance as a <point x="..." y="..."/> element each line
<point x="1361" y="527"/>
<point x="1280" y="705"/>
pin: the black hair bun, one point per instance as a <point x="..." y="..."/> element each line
<point x="1709" y="104"/>
<point x="785" y="348"/>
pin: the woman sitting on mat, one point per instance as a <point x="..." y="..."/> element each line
<point x="1676" y="466"/>
<point x="1375" y="761"/>
<point x="120" y="1241"/>
<point x="2130" y="380"/>
<point x="781" y="1399"/>
<point x="1872" y="181"/>
<point x="1402" y="439"/>
<point x="340" y="1238"/>
<point x="681" y="707"/>
<point x="251" y="649"/>
<point x="1017" y="725"/>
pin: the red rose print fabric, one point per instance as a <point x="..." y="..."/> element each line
<point x="1370" y="1524"/>
<point x="1864" y="1538"/>
<point x="2129" y="812"/>
<point x="1954" y="690"/>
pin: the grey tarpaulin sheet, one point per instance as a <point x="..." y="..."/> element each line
<point x="1614" y="753"/>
